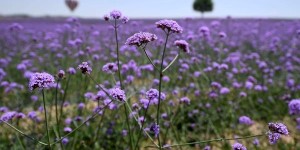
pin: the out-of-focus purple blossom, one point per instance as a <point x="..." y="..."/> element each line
<point x="115" y="14"/>
<point x="124" y="133"/>
<point x="224" y="90"/>
<point x="256" y="142"/>
<point x="273" y="137"/>
<point x="65" y="141"/>
<point x="20" y="115"/>
<point x="245" y="120"/>
<point x="238" y="146"/>
<point x="80" y="106"/>
<point x="61" y="74"/>
<point x="7" y="116"/>
<point x="110" y="68"/>
<point x="185" y="100"/>
<point x="85" y="68"/>
<point x="125" y="19"/>
<point x="155" y="129"/>
<point x="3" y="109"/>
<point x="294" y="106"/>
<point x="71" y="71"/>
<point x="32" y="115"/>
<point x="68" y="121"/>
<point x="207" y="147"/>
<point x="182" y="44"/>
<point x="67" y="129"/>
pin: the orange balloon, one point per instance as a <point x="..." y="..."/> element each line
<point x="72" y="4"/>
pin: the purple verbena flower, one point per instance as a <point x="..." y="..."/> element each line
<point x="294" y="106"/>
<point x="117" y="94"/>
<point x="41" y="80"/>
<point x="110" y="68"/>
<point x="85" y="68"/>
<point x="155" y="129"/>
<point x="141" y="38"/>
<point x="238" y="146"/>
<point x="273" y="137"/>
<point x="115" y="14"/>
<point x="182" y="44"/>
<point x="278" y="128"/>
<point x="169" y="26"/>
<point x="245" y="120"/>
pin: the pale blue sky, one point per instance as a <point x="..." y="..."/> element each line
<point x="154" y="8"/>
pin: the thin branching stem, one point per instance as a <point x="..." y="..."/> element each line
<point x="23" y="134"/>
<point x="46" y="120"/>
<point x="160" y="84"/>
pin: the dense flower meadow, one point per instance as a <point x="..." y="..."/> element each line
<point x="116" y="83"/>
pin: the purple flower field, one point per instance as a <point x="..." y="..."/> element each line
<point x="116" y="83"/>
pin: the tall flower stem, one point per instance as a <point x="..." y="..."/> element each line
<point x="78" y="127"/>
<point x="56" y="113"/>
<point x="142" y="127"/>
<point x="118" y="55"/>
<point x="22" y="133"/>
<point x="64" y="99"/>
<point x="121" y="85"/>
<point x="160" y="83"/>
<point x="46" y="120"/>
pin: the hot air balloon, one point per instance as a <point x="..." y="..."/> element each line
<point x="72" y="4"/>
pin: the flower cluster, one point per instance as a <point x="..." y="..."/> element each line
<point x="294" y="107"/>
<point x="85" y="68"/>
<point x="276" y="130"/>
<point x="41" y="80"/>
<point x="245" y="120"/>
<point x="116" y="15"/>
<point x="110" y="68"/>
<point x="182" y="44"/>
<point x="169" y="26"/>
<point x="117" y="94"/>
<point x="238" y="146"/>
<point x="141" y="38"/>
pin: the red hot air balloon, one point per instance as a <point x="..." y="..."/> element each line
<point x="72" y="4"/>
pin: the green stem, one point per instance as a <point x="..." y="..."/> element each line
<point x="144" y="49"/>
<point x="143" y="123"/>
<point x="64" y="99"/>
<point x="56" y="113"/>
<point x="78" y="127"/>
<point x="160" y="84"/>
<point x="118" y="55"/>
<point x="23" y="134"/>
<point x="171" y="63"/>
<point x="46" y="120"/>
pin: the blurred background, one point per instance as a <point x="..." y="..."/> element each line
<point x="151" y="8"/>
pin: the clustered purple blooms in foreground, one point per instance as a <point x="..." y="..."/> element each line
<point x="41" y="80"/>
<point x="275" y="131"/>
<point x="141" y="38"/>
